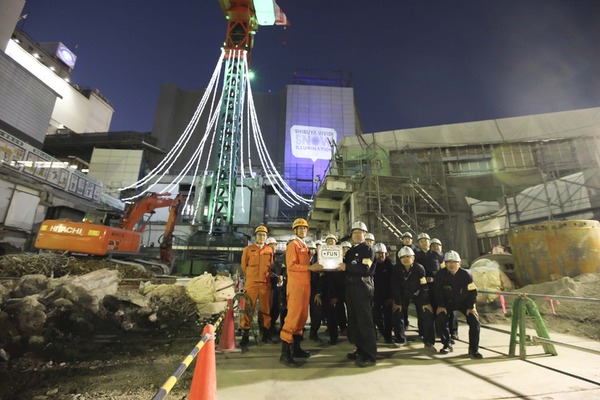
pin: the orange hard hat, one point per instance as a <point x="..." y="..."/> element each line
<point x="299" y="222"/>
<point x="262" y="228"/>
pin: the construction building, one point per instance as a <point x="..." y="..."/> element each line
<point x="466" y="184"/>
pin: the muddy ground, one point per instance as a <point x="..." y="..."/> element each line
<point x="113" y="364"/>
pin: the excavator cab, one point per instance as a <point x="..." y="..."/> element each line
<point x="102" y="217"/>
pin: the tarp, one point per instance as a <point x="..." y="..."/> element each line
<point x="559" y="125"/>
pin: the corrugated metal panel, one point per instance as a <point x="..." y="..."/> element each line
<point x="26" y="103"/>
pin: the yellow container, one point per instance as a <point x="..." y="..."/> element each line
<point x="551" y="250"/>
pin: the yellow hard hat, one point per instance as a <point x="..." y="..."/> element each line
<point x="299" y="222"/>
<point x="262" y="228"/>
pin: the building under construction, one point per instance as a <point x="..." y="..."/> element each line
<point x="466" y="184"/>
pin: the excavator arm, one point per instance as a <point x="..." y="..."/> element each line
<point x="166" y="242"/>
<point x="145" y="205"/>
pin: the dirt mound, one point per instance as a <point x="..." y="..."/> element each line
<point x="574" y="315"/>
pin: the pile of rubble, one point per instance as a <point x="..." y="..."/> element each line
<point x="51" y="302"/>
<point x="567" y="305"/>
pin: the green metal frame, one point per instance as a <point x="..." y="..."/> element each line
<point x="229" y="130"/>
<point x="522" y="308"/>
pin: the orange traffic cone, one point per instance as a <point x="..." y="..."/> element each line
<point x="227" y="340"/>
<point x="204" y="381"/>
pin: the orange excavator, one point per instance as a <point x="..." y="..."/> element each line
<point x="104" y="233"/>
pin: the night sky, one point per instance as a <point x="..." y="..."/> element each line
<point x="413" y="63"/>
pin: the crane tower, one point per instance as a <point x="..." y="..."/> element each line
<point x="243" y="18"/>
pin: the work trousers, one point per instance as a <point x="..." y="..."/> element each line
<point x="316" y="314"/>
<point x="336" y="318"/>
<point x="298" y="296"/>
<point x="277" y="303"/>
<point x="425" y="321"/>
<point x="262" y="292"/>
<point x="361" y="329"/>
<point x="382" y="316"/>
<point x="441" y="323"/>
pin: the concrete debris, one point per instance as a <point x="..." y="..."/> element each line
<point x="55" y="265"/>
<point x="50" y="310"/>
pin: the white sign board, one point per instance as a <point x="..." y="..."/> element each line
<point x="312" y="142"/>
<point x="330" y="256"/>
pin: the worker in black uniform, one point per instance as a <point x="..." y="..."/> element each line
<point x="276" y="289"/>
<point x="316" y="302"/>
<point x="455" y="290"/>
<point x="435" y="262"/>
<point x="433" y="259"/>
<point x="359" y="266"/>
<point x="382" y="300"/>
<point x="332" y="292"/>
<point x="407" y="241"/>
<point x="410" y="285"/>
<point x="423" y="244"/>
<point x="423" y="241"/>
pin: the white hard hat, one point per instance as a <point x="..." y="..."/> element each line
<point x="405" y="251"/>
<point x="436" y="241"/>
<point x="346" y="244"/>
<point x="311" y="245"/>
<point x="271" y="240"/>
<point x="370" y="236"/>
<point x="331" y="236"/>
<point x="318" y="242"/>
<point x="423" y="236"/>
<point x="407" y="234"/>
<point x="451" y="256"/>
<point x="359" y="225"/>
<point x="379" y="248"/>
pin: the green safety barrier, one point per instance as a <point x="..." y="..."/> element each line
<point x="522" y="308"/>
<point x="247" y="310"/>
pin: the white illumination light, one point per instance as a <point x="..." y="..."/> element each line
<point x="249" y="135"/>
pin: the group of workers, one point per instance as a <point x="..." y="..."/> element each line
<point x="366" y="294"/>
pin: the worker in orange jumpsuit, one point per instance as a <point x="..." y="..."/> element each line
<point x="297" y="261"/>
<point x="256" y="266"/>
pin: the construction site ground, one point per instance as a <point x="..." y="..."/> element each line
<point x="135" y="367"/>
<point x="116" y="364"/>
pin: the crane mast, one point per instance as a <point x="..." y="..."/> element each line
<point x="241" y="26"/>
<point x="243" y="18"/>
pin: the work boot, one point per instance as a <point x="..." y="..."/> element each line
<point x="268" y="337"/>
<point x="446" y="349"/>
<point x="430" y="347"/>
<point x="286" y="355"/>
<point x="315" y="338"/>
<point x="245" y="338"/>
<point x="475" y="355"/>
<point x="361" y="363"/>
<point x="298" y="352"/>
<point x="265" y="335"/>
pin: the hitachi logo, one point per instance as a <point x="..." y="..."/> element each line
<point x="66" y="229"/>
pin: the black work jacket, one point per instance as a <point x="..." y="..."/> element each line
<point x="354" y="260"/>
<point x="432" y="263"/>
<point x="409" y="285"/>
<point x="455" y="291"/>
<point x="383" y="279"/>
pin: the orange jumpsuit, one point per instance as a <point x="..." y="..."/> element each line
<point x="256" y="265"/>
<point x="297" y="261"/>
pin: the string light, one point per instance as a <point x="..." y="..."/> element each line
<point x="244" y="127"/>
